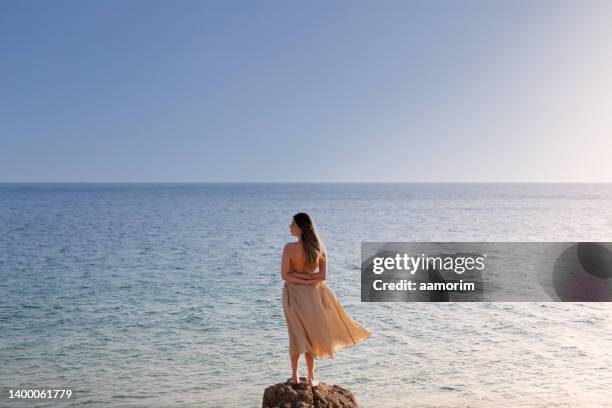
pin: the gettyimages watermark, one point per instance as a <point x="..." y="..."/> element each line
<point x="486" y="271"/>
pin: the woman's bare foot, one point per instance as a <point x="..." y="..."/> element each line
<point x="312" y="382"/>
<point x="294" y="380"/>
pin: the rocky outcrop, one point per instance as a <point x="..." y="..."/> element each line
<point x="287" y="395"/>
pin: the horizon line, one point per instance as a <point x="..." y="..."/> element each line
<point x="305" y="182"/>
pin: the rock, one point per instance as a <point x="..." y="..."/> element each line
<point x="287" y="395"/>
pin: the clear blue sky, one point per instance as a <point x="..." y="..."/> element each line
<point x="306" y="91"/>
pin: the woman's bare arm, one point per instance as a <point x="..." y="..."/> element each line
<point x="304" y="275"/>
<point x="323" y="267"/>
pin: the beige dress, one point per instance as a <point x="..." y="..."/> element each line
<point x="317" y="321"/>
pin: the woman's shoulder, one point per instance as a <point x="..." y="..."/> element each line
<point x="291" y="246"/>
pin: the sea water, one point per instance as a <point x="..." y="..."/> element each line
<point x="169" y="294"/>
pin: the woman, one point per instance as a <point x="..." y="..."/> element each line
<point x="317" y="323"/>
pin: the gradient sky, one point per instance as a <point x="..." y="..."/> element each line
<point x="306" y="91"/>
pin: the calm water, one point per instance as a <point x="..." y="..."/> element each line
<point x="170" y="295"/>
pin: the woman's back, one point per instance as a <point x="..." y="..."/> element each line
<point x="298" y="259"/>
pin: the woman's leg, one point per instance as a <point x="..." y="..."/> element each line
<point x="295" y="362"/>
<point x="310" y="363"/>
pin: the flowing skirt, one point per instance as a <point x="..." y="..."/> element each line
<point x="317" y="322"/>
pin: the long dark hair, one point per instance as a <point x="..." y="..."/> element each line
<point x="313" y="247"/>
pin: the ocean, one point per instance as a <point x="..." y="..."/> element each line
<point x="169" y="294"/>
